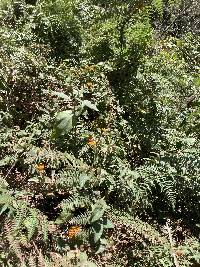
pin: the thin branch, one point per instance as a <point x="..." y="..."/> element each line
<point x="176" y="263"/>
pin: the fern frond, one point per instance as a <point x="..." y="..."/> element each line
<point x="81" y="219"/>
<point x="20" y="215"/>
<point x="158" y="5"/>
<point x="70" y="204"/>
<point x="31" y="261"/>
<point x="31" y="222"/>
<point x="137" y="226"/>
<point x="14" y="244"/>
<point x="75" y="201"/>
<point x="168" y="188"/>
<point x="67" y="179"/>
<point x="45" y="227"/>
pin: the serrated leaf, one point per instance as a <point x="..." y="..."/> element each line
<point x="62" y="218"/>
<point x="59" y="221"/>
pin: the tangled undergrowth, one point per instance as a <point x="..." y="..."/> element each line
<point x="99" y="137"/>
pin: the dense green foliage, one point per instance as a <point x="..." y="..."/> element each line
<point x="100" y="120"/>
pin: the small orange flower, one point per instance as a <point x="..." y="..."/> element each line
<point x="91" y="142"/>
<point x="73" y="231"/>
<point x="90" y="85"/>
<point x="40" y="167"/>
<point x="179" y="253"/>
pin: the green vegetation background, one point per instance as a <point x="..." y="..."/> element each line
<point x="100" y="133"/>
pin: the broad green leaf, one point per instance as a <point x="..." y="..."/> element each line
<point x="61" y="95"/>
<point x="97" y="214"/>
<point x="87" y="103"/>
<point x="4" y="208"/>
<point x="98" y="210"/>
<point x="83" y="179"/>
<point x="64" y="122"/>
<point x="197" y="81"/>
<point x="98" y="231"/>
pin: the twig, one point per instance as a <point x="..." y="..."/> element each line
<point x="176" y="263"/>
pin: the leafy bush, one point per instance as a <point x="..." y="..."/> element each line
<point x="99" y="136"/>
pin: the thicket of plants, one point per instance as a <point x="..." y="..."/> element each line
<point x="99" y="137"/>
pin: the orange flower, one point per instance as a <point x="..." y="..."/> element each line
<point x="91" y="142"/>
<point x="90" y="85"/>
<point x="179" y="253"/>
<point x="73" y="231"/>
<point x="40" y="167"/>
